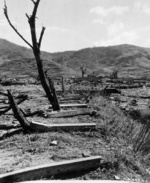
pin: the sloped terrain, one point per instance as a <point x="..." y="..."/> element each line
<point x="16" y="60"/>
<point x="128" y="60"/>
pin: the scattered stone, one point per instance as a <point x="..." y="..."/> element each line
<point x="86" y="154"/>
<point x="54" y="143"/>
<point x="116" y="177"/>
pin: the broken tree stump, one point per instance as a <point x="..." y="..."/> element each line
<point x="48" y="170"/>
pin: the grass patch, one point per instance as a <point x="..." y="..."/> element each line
<point x="121" y="134"/>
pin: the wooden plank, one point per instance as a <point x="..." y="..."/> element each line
<point x="48" y="170"/>
<point x="69" y="101"/>
<point x="69" y="113"/>
<point x="81" y="181"/>
<point x="71" y="95"/>
<point x="71" y="105"/>
<point x="71" y="98"/>
<point x="36" y="126"/>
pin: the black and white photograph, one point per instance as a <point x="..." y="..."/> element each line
<point x="75" y="91"/>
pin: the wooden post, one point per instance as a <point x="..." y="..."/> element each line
<point x="63" y="85"/>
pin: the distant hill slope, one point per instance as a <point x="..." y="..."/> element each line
<point x="15" y="59"/>
<point x="129" y="60"/>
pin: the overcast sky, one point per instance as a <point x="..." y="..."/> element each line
<point x="76" y="24"/>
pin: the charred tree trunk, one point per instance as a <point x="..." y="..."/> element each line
<point x="37" y="54"/>
<point x="18" y="114"/>
<point x="55" y="99"/>
<point x="36" y="50"/>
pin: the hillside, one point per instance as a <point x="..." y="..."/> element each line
<point x="15" y="59"/>
<point x="129" y="60"/>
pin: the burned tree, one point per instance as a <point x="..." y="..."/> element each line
<point x="83" y="70"/>
<point x="35" y="46"/>
<point x="114" y="75"/>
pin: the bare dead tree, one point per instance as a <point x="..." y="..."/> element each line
<point x="35" y="46"/>
<point x="114" y="75"/>
<point x="83" y="70"/>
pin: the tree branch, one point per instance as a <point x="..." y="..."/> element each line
<point x="33" y="1"/>
<point x="7" y="17"/>
<point x="36" y="4"/>
<point x="41" y="36"/>
<point x="31" y="20"/>
<point x="27" y="17"/>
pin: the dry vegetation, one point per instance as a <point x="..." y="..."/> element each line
<point x="120" y="137"/>
<point x="114" y="139"/>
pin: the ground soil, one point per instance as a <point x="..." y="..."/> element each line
<point x="27" y="150"/>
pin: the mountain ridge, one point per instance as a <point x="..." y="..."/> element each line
<point x="129" y="60"/>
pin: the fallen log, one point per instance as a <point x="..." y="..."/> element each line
<point x="71" y="105"/>
<point x="18" y="113"/>
<point x="48" y="170"/>
<point x="70" y="113"/>
<point x="7" y="127"/>
<point x="9" y="108"/>
<point x="10" y="133"/>
<point x="40" y="127"/>
<point x="5" y="94"/>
